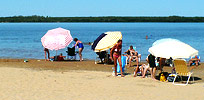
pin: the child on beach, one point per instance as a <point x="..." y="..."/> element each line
<point x="115" y="54"/>
<point x="80" y="46"/>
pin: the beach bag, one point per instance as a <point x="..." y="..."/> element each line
<point x="171" y="77"/>
<point x="162" y="78"/>
<point x="166" y="74"/>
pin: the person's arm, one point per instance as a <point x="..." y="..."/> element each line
<point x="76" y="44"/>
<point x="127" y="51"/>
<point x="111" y="53"/>
<point x="147" y="60"/>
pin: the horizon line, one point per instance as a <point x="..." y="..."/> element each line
<point x="99" y="16"/>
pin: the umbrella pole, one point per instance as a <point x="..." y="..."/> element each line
<point x="56" y="52"/>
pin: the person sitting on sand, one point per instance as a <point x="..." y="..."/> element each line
<point x="145" y="68"/>
<point x="195" y="60"/>
<point x="115" y="54"/>
<point x="61" y="57"/>
<point x="80" y="46"/>
<point x="58" y="58"/>
<point x="47" y="54"/>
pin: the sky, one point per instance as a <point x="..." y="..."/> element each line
<point x="79" y="8"/>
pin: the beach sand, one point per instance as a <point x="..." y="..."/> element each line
<point x="40" y="80"/>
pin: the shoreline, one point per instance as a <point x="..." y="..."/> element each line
<point x="18" y="59"/>
<point x="87" y="65"/>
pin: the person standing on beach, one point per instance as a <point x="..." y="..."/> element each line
<point x="115" y="54"/>
<point x="151" y="60"/>
<point x="80" y="46"/>
<point x="47" y="54"/>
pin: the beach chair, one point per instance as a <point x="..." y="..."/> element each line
<point x="182" y="70"/>
<point x="101" y="56"/>
<point x="71" y="54"/>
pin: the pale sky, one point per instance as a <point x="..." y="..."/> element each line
<point x="71" y="8"/>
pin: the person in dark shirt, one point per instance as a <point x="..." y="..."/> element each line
<point x="151" y="59"/>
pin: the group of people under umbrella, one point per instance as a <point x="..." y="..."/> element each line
<point x="57" y="39"/>
<point x="168" y="48"/>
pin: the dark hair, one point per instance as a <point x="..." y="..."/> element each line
<point x="75" y="39"/>
<point x="119" y="41"/>
<point x="131" y="46"/>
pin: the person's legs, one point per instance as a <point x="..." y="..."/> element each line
<point x="190" y="61"/>
<point x="142" y="68"/>
<point x="137" y="68"/>
<point x="130" y="60"/>
<point x="115" y="64"/>
<point x="48" y="54"/>
<point x="154" y="73"/>
<point x="137" y="61"/>
<point x="80" y="53"/>
<point x="145" y="71"/>
<point x="120" y="63"/>
<point x="45" y="56"/>
<point x="196" y="62"/>
<point x="128" y="57"/>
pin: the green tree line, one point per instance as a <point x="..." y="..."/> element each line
<point x="36" y="18"/>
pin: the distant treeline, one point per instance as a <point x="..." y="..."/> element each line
<point x="35" y="18"/>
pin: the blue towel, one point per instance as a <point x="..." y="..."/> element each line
<point x="123" y="60"/>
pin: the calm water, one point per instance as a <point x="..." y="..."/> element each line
<point x="22" y="40"/>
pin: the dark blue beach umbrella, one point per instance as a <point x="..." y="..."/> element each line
<point x="106" y="40"/>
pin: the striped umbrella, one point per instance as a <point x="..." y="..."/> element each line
<point x="106" y="40"/>
<point x="56" y="39"/>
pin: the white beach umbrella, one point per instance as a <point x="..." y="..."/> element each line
<point x="172" y="48"/>
<point x="164" y="40"/>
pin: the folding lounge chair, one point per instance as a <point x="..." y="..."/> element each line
<point x="71" y="53"/>
<point x="101" y="56"/>
<point x="182" y="70"/>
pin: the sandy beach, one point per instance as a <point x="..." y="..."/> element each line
<point x="73" y="80"/>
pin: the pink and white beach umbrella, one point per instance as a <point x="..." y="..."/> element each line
<point x="56" y="39"/>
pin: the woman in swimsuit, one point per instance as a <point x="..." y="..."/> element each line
<point x="80" y="46"/>
<point x="115" y="54"/>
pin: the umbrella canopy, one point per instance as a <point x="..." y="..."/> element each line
<point x="56" y="39"/>
<point x="106" y="40"/>
<point x="164" y="40"/>
<point x="167" y="48"/>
